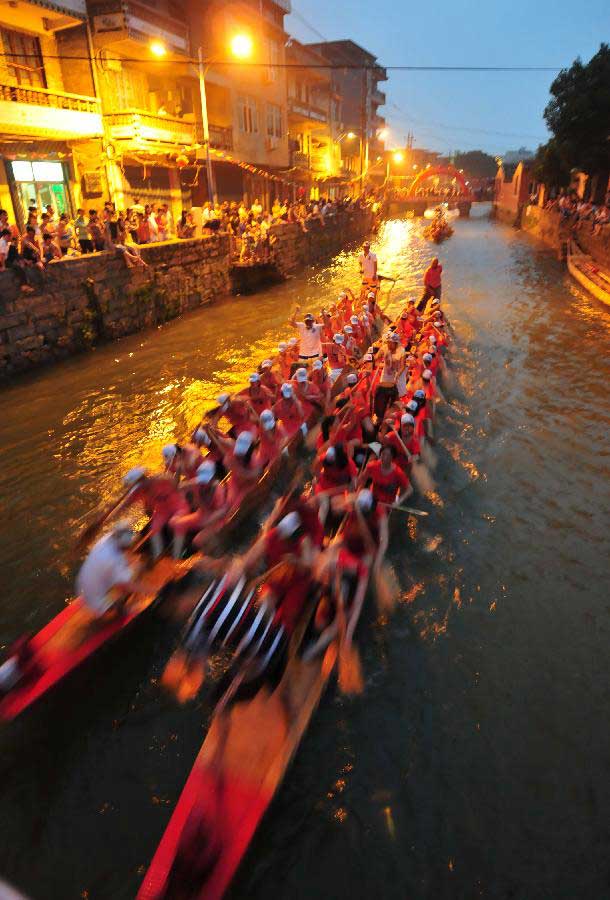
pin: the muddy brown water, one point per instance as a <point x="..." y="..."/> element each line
<point x="477" y="761"/>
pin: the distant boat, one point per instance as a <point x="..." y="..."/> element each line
<point x="588" y="274"/>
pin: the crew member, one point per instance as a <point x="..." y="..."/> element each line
<point x="210" y="502"/>
<point x="106" y="579"/>
<point x="367" y="262"/>
<point x="432" y="284"/>
<point x="310" y="337"/>
<point x="393" y="366"/>
<point x="272" y="439"/>
<point x="388" y="481"/>
<point x="161" y="500"/>
<point x="289" y="411"/>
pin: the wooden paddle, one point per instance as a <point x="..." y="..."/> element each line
<point x="407" y="509"/>
<point x="91" y="530"/>
<point x="350" y="668"/>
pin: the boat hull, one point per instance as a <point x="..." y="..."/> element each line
<point x="577" y="263"/>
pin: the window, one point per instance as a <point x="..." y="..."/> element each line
<point x="274" y="120"/>
<point x="23" y="58"/>
<point x="248" y="115"/>
<point x="273" y="52"/>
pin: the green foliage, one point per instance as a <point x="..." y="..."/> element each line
<point x="578" y="116"/>
<point x="549" y="167"/>
<point x="476" y="164"/>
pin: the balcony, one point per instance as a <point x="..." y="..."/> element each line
<point x="300" y="110"/>
<point x="41" y="113"/>
<point x="138" y="129"/>
<point x="379" y="73"/>
<point x="297" y="158"/>
<point x="378" y="97"/>
<point x="130" y="27"/>
<point x="221" y="138"/>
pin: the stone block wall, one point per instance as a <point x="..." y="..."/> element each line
<point x="294" y="248"/>
<point x="545" y="225"/>
<point x="597" y="245"/>
<point x="88" y="299"/>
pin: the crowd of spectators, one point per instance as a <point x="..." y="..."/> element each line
<point x="49" y="236"/>
<point x="573" y="210"/>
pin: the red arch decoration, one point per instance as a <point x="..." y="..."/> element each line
<point x="441" y="170"/>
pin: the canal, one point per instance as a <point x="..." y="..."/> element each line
<point x="477" y="762"/>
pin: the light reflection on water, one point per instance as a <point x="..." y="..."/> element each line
<point x="481" y="729"/>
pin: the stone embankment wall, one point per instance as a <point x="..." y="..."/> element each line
<point x="545" y="225"/>
<point x="597" y="245"/>
<point x="83" y="301"/>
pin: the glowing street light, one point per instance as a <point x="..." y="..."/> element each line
<point x="158" y="49"/>
<point x="398" y="157"/>
<point x="382" y="134"/>
<point x="350" y="135"/>
<point x="242" y="46"/>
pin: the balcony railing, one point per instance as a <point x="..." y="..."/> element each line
<point x="306" y="110"/>
<point x="137" y="22"/>
<point x="378" y="97"/>
<point x="299" y="159"/>
<point x="221" y="138"/>
<point x="141" y="127"/>
<point x="38" y="96"/>
<point x="37" y="111"/>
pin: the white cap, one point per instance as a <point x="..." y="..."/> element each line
<point x="243" y="443"/>
<point x="432" y="339"/>
<point x="222" y="399"/>
<point x="254" y="378"/>
<point x="411" y="300"/>
<point x="301" y="375"/>
<point x="370" y="295"/>
<point x="368" y="357"/>
<point x="134" y="475"/>
<point x="293" y="342"/>
<point x="282" y="346"/>
<point x="354" y="320"/>
<point x="287" y="526"/>
<point x="202" y="437"/>
<point x="205" y="472"/>
<point x="266" y="364"/>
<point x="267" y="419"/>
<point x="169" y="452"/>
<point x="394" y="336"/>
<point x="348" y="329"/>
<point x="426" y="374"/>
<point x="338" y="339"/>
<point x="420" y="394"/>
<point x="364" y="500"/>
<point x="122" y="526"/>
<point x="412" y="405"/>
<point x="427" y="357"/>
<point x="287" y="389"/>
<point x="436" y="302"/>
<point x="317" y="364"/>
<point x="330" y="455"/>
<point x="352" y="378"/>
<point x="342" y="295"/>
<point x="407" y="419"/>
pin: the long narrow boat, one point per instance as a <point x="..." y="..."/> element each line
<point x="588" y="273"/>
<point x="236" y="774"/>
<point x="238" y="770"/>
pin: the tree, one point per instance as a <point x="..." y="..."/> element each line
<point x="549" y="167"/>
<point x="476" y="164"/>
<point x="578" y="115"/>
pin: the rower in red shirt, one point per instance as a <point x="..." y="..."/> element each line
<point x="432" y="283"/>
<point x="404" y="438"/>
<point x="161" y="500"/>
<point x="389" y="482"/>
<point x="243" y="466"/>
<point x="285" y="359"/>
<point x="306" y="393"/>
<point x="335" y="471"/>
<point x="268" y="378"/>
<point x="209" y="501"/>
<point x="336" y="355"/>
<point x="405" y="329"/>
<point x="239" y="414"/>
<point x="257" y="396"/>
<point x="321" y="380"/>
<point x="272" y="439"/>
<point x="182" y="460"/>
<point x="289" y="411"/>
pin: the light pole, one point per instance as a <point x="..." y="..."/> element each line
<point x="241" y="48"/>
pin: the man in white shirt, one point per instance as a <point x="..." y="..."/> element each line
<point x="105" y="579"/>
<point x="310" y="336"/>
<point x="368" y="265"/>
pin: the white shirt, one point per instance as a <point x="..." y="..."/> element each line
<point x="310" y="341"/>
<point x="4" y="245"/>
<point x="368" y="264"/>
<point x="105" y="567"/>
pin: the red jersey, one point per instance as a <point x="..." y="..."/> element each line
<point x="432" y="278"/>
<point x="263" y="399"/>
<point x="290" y="414"/>
<point x="269" y="444"/>
<point x="332" y="476"/>
<point x="386" y="484"/>
<point x="412" y="445"/>
<point x="352" y="535"/>
<point x="159" y="495"/>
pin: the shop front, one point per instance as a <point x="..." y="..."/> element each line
<point x="38" y="183"/>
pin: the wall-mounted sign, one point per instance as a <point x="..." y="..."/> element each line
<point x="109" y="22"/>
<point x="93" y="183"/>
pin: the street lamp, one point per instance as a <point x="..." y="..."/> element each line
<point x="241" y="47"/>
<point x="158" y="48"/>
<point x="398" y="157"/>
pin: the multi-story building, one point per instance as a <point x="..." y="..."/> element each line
<point x="246" y="102"/>
<point x="148" y="90"/>
<point x="50" y="119"/>
<point x="314" y="118"/>
<point x="358" y="84"/>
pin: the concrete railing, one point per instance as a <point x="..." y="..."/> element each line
<point x="38" y="96"/>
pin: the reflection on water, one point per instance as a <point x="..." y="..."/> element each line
<point x="475" y="763"/>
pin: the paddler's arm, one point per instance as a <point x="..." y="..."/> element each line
<point x="365" y="532"/>
<point x="384" y="539"/>
<point x="293" y="316"/>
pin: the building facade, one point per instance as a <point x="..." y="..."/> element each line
<point x="50" y="117"/>
<point x="358" y="84"/>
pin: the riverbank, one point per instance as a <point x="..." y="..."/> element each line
<point x="84" y="301"/>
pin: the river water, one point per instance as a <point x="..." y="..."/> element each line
<point x="477" y="761"/>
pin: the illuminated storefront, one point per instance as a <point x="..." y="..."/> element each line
<point x="38" y="183"/>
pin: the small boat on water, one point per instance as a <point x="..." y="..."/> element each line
<point x="588" y="274"/>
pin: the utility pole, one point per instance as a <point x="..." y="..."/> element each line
<point x="364" y="135"/>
